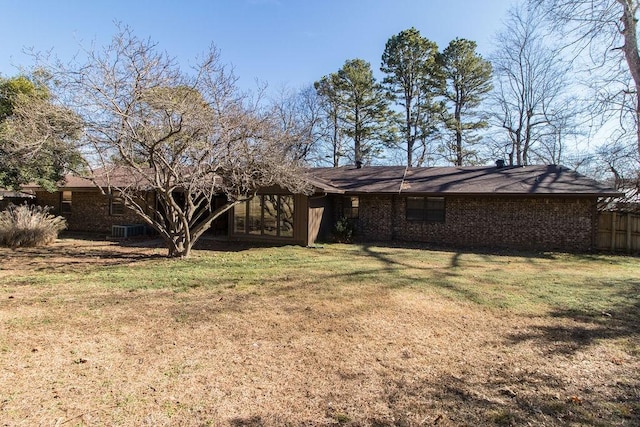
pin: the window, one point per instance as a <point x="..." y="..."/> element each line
<point x="270" y="215"/>
<point x="116" y="205"/>
<point x="267" y="215"/>
<point x="65" y="202"/>
<point x="254" y="218"/>
<point x="285" y="218"/>
<point x="240" y="218"/>
<point x="350" y="207"/>
<point x="430" y="209"/>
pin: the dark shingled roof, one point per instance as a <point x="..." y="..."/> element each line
<point x="119" y="177"/>
<point x="510" y="180"/>
<point x="9" y="194"/>
<point x="470" y="180"/>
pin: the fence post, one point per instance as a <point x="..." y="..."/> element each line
<point x="613" y="230"/>
<point x="628" y="231"/>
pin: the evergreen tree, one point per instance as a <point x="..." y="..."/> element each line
<point x="413" y="80"/>
<point x="364" y="109"/>
<point x="468" y="80"/>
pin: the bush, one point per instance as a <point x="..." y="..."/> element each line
<point x="343" y="232"/>
<point x="26" y="225"/>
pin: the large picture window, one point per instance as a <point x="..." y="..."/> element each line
<point x="430" y="209"/>
<point x="265" y="215"/>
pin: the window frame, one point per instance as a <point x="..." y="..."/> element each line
<point x="242" y="217"/>
<point x="116" y="200"/>
<point x="430" y="209"/>
<point x="66" y="203"/>
<point x="350" y="211"/>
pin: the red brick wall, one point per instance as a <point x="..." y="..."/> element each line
<point x="376" y="218"/>
<point x="515" y="222"/>
<point x="89" y="211"/>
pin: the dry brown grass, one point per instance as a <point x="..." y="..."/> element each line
<point x="293" y="353"/>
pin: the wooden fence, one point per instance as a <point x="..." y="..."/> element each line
<point x="619" y="232"/>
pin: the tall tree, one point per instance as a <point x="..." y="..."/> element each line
<point x="364" y="109"/>
<point x="179" y="138"/>
<point x="468" y="81"/>
<point x="37" y="136"/>
<point x="607" y="31"/>
<point x="413" y="80"/>
<point x="330" y="128"/>
<point x="532" y="101"/>
<point x="300" y="114"/>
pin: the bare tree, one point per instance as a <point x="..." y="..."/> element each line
<point x="607" y="31"/>
<point x="532" y="99"/>
<point x="331" y="132"/>
<point x="300" y="114"/>
<point x="167" y="142"/>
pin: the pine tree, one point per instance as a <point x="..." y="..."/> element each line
<point x="468" y="80"/>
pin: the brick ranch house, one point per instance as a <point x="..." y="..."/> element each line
<point x="532" y="207"/>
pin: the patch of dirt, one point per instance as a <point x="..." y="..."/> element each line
<point x="69" y="253"/>
<point x="223" y="357"/>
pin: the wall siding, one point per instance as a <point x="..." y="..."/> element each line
<point x="376" y="217"/>
<point x="89" y="211"/>
<point x="515" y="222"/>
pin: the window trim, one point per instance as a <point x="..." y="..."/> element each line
<point x="426" y="212"/>
<point x="66" y="203"/>
<point x="242" y="212"/>
<point x="116" y="200"/>
<point x="350" y="211"/>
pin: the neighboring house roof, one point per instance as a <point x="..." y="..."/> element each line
<point x="510" y="180"/>
<point x="7" y="194"/>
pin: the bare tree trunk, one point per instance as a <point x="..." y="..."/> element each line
<point x="336" y="143"/>
<point x="631" y="54"/>
<point x="357" y="148"/>
<point x="410" y="139"/>
<point x="459" y="156"/>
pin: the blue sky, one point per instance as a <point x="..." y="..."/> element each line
<point x="283" y="42"/>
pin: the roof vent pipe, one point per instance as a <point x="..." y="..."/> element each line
<point x="358" y="164"/>
<point x="500" y="163"/>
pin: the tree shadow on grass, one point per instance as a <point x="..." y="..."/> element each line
<point x="510" y="399"/>
<point x="576" y="329"/>
<point x="255" y="421"/>
<point x="74" y="251"/>
<point x="458" y="252"/>
<point x="391" y="261"/>
<point x="69" y="257"/>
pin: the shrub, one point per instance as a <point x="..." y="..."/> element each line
<point x="343" y="232"/>
<point x="26" y="225"/>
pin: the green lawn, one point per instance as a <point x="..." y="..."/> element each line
<point x="527" y="282"/>
<point x="94" y="333"/>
